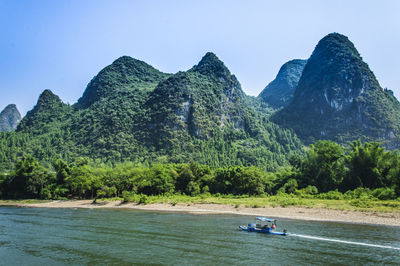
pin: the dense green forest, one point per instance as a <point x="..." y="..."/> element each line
<point x="327" y="168"/>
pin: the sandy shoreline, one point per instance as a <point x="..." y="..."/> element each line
<point x="299" y="213"/>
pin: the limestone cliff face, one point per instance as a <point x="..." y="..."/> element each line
<point x="339" y="98"/>
<point x="198" y="100"/>
<point x="9" y="118"/>
<point x="280" y="91"/>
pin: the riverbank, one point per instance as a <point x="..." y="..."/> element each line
<point x="300" y="213"/>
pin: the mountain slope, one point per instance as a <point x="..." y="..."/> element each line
<point x="200" y="100"/>
<point x="203" y="113"/>
<point x="9" y="118"/>
<point x="198" y="115"/>
<point x="280" y="91"/>
<point x="47" y="128"/>
<point x="339" y="98"/>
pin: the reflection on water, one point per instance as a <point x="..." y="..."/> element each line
<point x="66" y="236"/>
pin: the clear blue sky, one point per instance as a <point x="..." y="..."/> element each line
<point x="60" y="45"/>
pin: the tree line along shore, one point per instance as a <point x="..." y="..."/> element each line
<point x="361" y="176"/>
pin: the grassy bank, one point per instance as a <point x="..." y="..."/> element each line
<point x="285" y="200"/>
<point x="22" y="201"/>
<point x="357" y="200"/>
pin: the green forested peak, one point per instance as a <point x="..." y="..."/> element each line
<point x="49" y="107"/>
<point x="125" y="73"/>
<point x="335" y="42"/>
<point x="47" y="102"/>
<point x="211" y="65"/>
<point x="47" y="97"/>
<point x="335" y="70"/>
<point x="129" y="64"/>
<point x="339" y="98"/>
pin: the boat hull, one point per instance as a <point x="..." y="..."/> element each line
<point x="261" y="230"/>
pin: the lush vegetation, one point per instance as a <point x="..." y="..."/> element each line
<point x="357" y="176"/>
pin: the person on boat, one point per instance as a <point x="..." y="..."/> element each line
<point x="273" y="226"/>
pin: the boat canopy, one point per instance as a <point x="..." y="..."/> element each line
<point x="265" y="219"/>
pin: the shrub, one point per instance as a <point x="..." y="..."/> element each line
<point x="205" y="195"/>
<point x="205" y="190"/>
<point x="106" y="192"/>
<point x="361" y="203"/>
<point x="307" y="192"/>
<point x="193" y="188"/>
<point x="290" y="187"/>
<point x="333" y="194"/>
<point x="60" y="193"/>
<point x="45" y="193"/>
<point x="311" y="190"/>
<point x="291" y="202"/>
<point x="129" y="196"/>
<point x="359" y="193"/>
<point x="384" y="193"/>
<point x="143" y="199"/>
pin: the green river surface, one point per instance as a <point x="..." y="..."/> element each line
<point x="41" y="236"/>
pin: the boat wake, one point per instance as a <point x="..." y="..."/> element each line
<point x="345" y="242"/>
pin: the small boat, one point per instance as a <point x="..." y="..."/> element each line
<point x="263" y="225"/>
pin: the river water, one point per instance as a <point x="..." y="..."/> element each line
<point x="40" y="236"/>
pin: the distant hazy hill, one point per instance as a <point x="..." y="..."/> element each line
<point x="9" y="118"/>
<point x="280" y="91"/>
<point x="131" y="111"/>
<point x="339" y="98"/>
